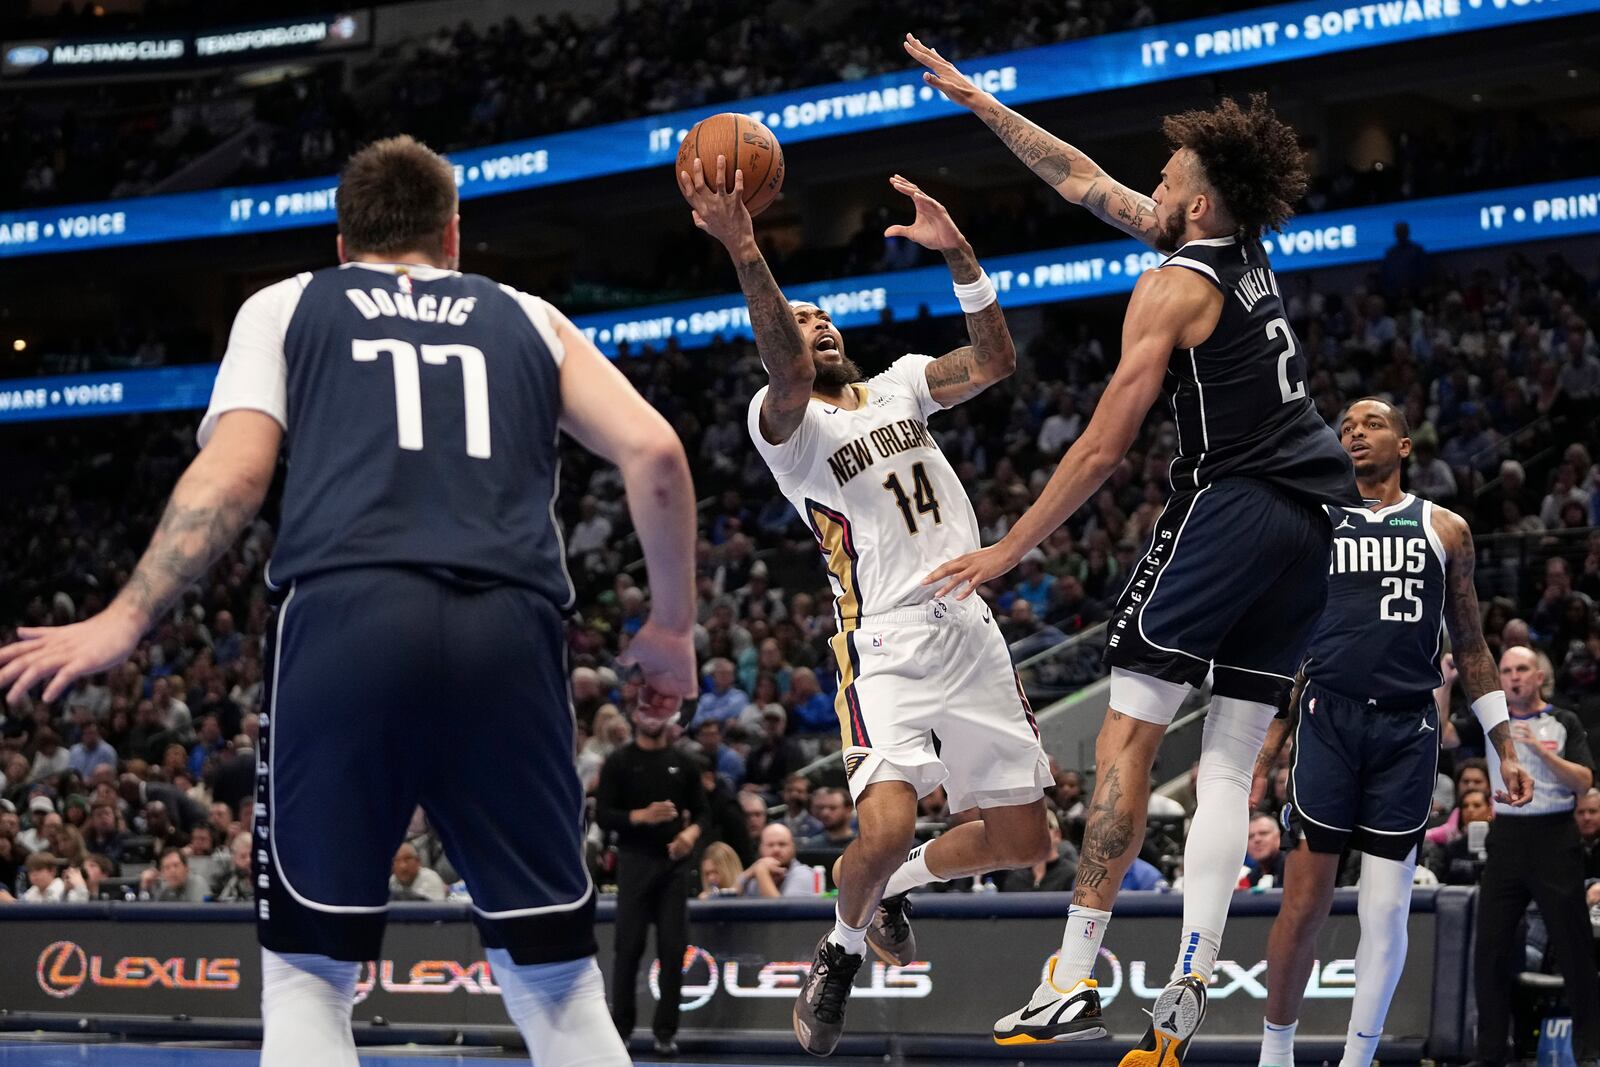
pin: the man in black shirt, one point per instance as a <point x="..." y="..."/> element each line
<point x="651" y="797"/>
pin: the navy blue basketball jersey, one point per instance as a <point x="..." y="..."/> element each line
<point x="1380" y="632"/>
<point x="1240" y="399"/>
<point x="420" y="408"/>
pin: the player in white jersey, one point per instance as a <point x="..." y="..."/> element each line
<point x="857" y="461"/>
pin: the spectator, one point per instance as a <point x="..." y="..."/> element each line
<point x="1460" y="861"/>
<point x="810" y="710"/>
<point x="45" y="886"/>
<point x="1263" y="854"/>
<point x="723" y="702"/>
<point x="171" y="881"/>
<point x="836" y="812"/>
<point x="50" y="759"/>
<point x="1429" y="476"/>
<point x="41" y="814"/>
<point x="727" y="812"/>
<point x="104" y="834"/>
<point x="776" y="872"/>
<point x="158" y="824"/>
<point x="205" y="861"/>
<point x="1587" y="816"/>
<point x="719" y="872"/>
<point x="1405" y="265"/>
<point x="1036" y="584"/>
<point x="1055" y="875"/>
<point x="97" y="871"/>
<point x="237" y="882"/>
<point x="768" y="759"/>
<point x="797" y="808"/>
<point x="208" y="745"/>
<point x="727" y="762"/>
<point x="91" y="751"/>
<point x="410" y="880"/>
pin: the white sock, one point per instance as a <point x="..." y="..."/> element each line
<point x="1080" y="945"/>
<point x="306" y="1002"/>
<point x="1277" y="1044"/>
<point x="912" y="873"/>
<point x="1383" y="903"/>
<point x="847" y="937"/>
<point x="1197" y="953"/>
<point x="560" y="1008"/>
<point x="1212" y="855"/>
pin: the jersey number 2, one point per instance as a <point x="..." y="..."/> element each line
<point x="922" y="496"/>
<point x="1280" y="329"/>
<point x="408" y="388"/>
<point x="1403" y="590"/>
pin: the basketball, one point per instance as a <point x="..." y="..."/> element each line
<point x="748" y="145"/>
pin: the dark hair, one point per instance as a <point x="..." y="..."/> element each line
<point x="1475" y="763"/>
<point x="1397" y="416"/>
<point x="395" y="196"/>
<point x="171" y="851"/>
<point x="1250" y="157"/>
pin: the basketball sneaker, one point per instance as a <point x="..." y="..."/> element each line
<point x="1176" y="1017"/>
<point x="819" y="1009"/>
<point x="890" y="933"/>
<point x="1053" y="1014"/>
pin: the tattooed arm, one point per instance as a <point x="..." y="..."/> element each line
<point x="782" y="347"/>
<point x="965" y="372"/>
<point x="217" y="496"/>
<point x="1474" y="664"/>
<point x="1061" y="166"/>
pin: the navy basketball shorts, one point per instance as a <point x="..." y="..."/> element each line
<point x="1363" y="772"/>
<point x="388" y="688"/>
<point x="1233" y="583"/>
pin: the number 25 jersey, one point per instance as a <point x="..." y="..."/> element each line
<point x="420" y="410"/>
<point x="870" y="483"/>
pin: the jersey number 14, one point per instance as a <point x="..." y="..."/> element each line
<point x="921" y="495"/>
<point x="408" y="387"/>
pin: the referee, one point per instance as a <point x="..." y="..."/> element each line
<point x="1534" y="853"/>
<point x="650" y="796"/>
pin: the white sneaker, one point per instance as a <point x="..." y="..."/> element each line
<point x="1054" y="1015"/>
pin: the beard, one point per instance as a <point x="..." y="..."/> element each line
<point x="833" y="377"/>
<point x="1170" y="239"/>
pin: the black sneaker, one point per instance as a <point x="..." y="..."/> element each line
<point x="666" y="1048"/>
<point x="890" y="933"/>
<point x="819" y="1009"/>
<point x="1175" y="1019"/>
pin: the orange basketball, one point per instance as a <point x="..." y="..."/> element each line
<point x="748" y="145"/>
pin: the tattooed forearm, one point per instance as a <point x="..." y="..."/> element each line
<point x="778" y="339"/>
<point x="951" y="369"/>
<point x="1473" y="660"/>
<point x="1121" y="207"/>
<point x="1051" y="158"/>
<point x="963" y="263"/>
<point x="202" y="519"/>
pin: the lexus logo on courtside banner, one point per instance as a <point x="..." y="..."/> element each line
<point x="703" y="976"/>
<point x="64" y="967"/>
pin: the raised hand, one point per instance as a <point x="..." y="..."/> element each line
<point x="932" y="228"/>
<point x="722" y="215"/>
<point x="943" y="75"/>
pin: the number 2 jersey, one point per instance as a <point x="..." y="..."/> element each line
<point x="884" y="504"/>
<point x="1379" y="635"/>
<point x="420" y="410"/>
<point x="1240" y="399"/>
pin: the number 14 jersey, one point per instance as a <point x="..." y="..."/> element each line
<point x="872" y="486"/>
<point x="420" y="410"/>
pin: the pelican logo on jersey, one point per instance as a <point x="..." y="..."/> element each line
<point x="1255" y="284"/>
<point x="1355" y="555"/>
<point x="889" y="440"/>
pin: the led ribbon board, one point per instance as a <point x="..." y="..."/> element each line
<point x="1076" y="68"/>
<point x="1329" y="239"/>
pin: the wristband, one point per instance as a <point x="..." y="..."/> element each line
<point x="975" y="296"/>
<point x="1491" y="710"/>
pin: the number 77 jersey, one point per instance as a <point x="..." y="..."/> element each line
<point x="420" y="409"/>
<point x="872" y="486"/>
<point x="1240" y="399"/>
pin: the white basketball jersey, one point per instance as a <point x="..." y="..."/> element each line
<point x="871" y="484"/>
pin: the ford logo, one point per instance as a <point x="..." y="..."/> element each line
<point x="27" y="55"/>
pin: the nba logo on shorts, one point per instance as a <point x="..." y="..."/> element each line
<point x="1311" y="706"/>
<point x="877" y="641"/>
<point x="1088" y="930"/>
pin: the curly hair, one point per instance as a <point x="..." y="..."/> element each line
<point x="1250" y="156"/>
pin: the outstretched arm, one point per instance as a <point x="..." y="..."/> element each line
<point x="1473" y="661"/>
<point x="603" y="412"/>
<point x="214" y="500"/>
<point x="779" y="342"/>
<point x="964" y="372"/>
<point x="1166" y="303"/>
<point x="1061" y="166"/>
